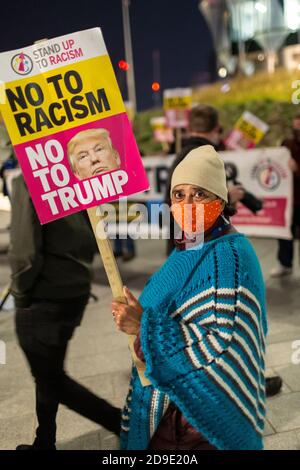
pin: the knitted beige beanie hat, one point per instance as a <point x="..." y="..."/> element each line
<point x="202" y="167"/>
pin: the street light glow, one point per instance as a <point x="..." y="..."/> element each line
<point x="260" y="7"/>
<point x="123" y="65"/>
<point x="155" y="86"/>
<point x="222" y="72"/>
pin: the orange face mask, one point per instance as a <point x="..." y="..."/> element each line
<point x="197" y="218"/>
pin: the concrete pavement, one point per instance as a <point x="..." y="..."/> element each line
<point x="98" y="356"/>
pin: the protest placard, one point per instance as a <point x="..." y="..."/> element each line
<point x="161" y="131"/>
<point x="67" y="122"/>
<point x="177" y="103"/>
<point x="129" y="107"/>
<point x="66" y="119"/>
<point x="247" y="132"/>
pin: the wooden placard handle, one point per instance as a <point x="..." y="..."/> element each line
<point x="114" y="277"/>
<point x="178" y="140"/>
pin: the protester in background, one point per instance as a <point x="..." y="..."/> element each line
<point x="200" y="324"/>
<point x="286" y="247"/>
<point x="9" y="164"/>
<point x="51" y="279"/>
<point x="124" y="248"/>
<point x="204" y="129"/>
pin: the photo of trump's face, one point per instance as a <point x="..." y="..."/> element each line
<point x="91" y="153"/>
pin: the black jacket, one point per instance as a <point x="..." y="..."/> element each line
<point x="51" y="261"/>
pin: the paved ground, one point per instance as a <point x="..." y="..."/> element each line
<point x="98" y="356"/>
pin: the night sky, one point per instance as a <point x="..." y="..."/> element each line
<point x="174" y="27"/>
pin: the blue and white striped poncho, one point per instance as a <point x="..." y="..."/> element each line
<point x="203" y="336"/>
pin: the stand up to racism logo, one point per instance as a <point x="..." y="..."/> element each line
<point x="22" y="64"/>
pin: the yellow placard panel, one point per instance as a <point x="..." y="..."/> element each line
<point x="97" y="96"/>
<point x="177" y="102"/>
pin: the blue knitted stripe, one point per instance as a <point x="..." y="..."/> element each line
<point x="243" y="378"/>
<point x="244" y="316"/>
<point x="240" y="365"/>
<point x="253" y="364"/>
<point x="240" y="330"/>
<point x="244" y="355"/>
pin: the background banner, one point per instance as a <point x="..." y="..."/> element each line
<point x="263" y="172"/>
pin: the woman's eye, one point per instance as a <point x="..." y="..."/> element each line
<point x="178" y="195"/>
<point x="200" y="195"/>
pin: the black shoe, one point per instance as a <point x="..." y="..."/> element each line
<point x="273" y="385"/>
<point x="34" y="446"/>
<point x="128" y="256"/>
<point x="25" y="447"/>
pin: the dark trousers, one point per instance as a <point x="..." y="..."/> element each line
<point x="124" y="244"/>
<point x="286" y="247"/>
<point x="44" y="330"/>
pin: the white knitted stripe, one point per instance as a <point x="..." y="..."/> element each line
<point x="199" y="310"/>
<point x="125" y="417"/>
<point x="248" y="373"/>
<point x="222" y="306"/>
<point x="225" y="291"/>
<point x="210" y="319"/>
<point x="224" y="320"/>
<point x="231" y="372"/>
<point x="153" y="411"/>
<point x="209" y="305"/>
<point x="193" y="358"/>
<point x="251" y="296"/>
<point x="124" y="428"/>
<point x="205" y="351"/>
<point x="224" y="335"/>
<point x="235" y="398"/>
<point x="186" y="334"/>
<point x="166" y="404"/>
<point x="214" y="343"/>
<point x="196" y="331"/>
<point x="196" y="298"/>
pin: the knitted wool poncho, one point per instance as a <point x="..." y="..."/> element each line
<point x="203" y="337"/>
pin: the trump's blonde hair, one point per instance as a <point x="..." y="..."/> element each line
<point x="82" y="135"/>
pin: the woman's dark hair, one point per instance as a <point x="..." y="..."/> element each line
<point x="229" y="210"/>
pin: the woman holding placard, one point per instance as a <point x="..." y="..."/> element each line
<point x="200" y="327"/>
